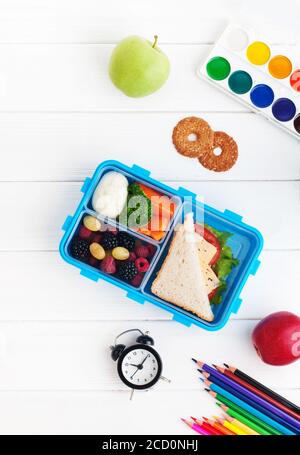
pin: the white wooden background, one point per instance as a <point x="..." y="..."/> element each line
<point x="59" y="118"/>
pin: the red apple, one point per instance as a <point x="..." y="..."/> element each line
<point x="276" y="338"/>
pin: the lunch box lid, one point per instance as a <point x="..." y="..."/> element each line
<point x="186" y="319"/>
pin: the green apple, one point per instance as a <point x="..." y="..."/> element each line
<point x="137" y="67"/>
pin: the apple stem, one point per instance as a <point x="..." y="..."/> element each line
<point x="155" y="41"/>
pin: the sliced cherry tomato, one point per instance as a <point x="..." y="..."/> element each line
<point x="212" y="294"/>
<point x="211" y="238"/>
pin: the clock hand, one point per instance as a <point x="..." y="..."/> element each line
<point x="148" y="355"/>
<point x="132" y="365"/>
<point x="134" y="373"/>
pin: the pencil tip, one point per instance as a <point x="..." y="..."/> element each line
<point x="225" y="364"/>
<point x="200" y="371"/>
<point x="218" y="404"/>
<point x="193" y="418"/>
<point x="201" y="379"/>
<point x="207" y="390"/>
<point x="194" y="360"/>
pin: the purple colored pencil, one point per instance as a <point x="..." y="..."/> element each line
<point x="247" y="393"/>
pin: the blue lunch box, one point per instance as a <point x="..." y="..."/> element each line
<point x="246" y="243"/>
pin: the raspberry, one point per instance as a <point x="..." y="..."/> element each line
<point x="108" y="265"/>
<point x="96" y="238"/>
<point x="132" y="256"/>
<point x="93" y="261"/>
<point x="112" y="229"/>
<point x="151" y="250"/>
<point x="127" y="270"/>
<point x="84" y="233"/>
<point x="142" y="251"/>
<point x="137" y="280"/>
<point x="142" y="265"/>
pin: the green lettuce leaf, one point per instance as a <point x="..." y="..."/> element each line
<point x="224" y="266"/>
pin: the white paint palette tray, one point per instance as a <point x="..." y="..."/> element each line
<point x="267" y="81"/>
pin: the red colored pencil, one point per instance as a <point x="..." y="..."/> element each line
<point x="219" y="427"/>
<point x="258" y="392"/>
<point x="196" y="428"/>
<point x="207" y="427"/>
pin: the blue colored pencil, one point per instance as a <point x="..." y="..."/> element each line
<point x="250" y="397"/>
<point x="240" y="402"/>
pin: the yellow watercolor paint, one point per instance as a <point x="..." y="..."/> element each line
<point x="280" y="67"/>
<point x="258" y="53"/>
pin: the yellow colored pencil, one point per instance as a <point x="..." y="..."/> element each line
<point x="242" y="426"/>
<point x="231" y="426"/>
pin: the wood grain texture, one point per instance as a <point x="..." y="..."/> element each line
<point x="40" y="209"/>
<point x="109" y="413"/>
<point x="93" y="21"/>
<point x="68" y="147"/>
<point x="60" y="116"/>
<point x="76" y="355"/>
<point x="76" y="298"/>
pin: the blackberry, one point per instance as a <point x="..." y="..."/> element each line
<point x="80" y="248"/>
<point x="127" y="270"/>
<point x="109" y="241"/>
<point x="126" y="241"/>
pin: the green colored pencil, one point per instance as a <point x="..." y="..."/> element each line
<point x="240" y="418"/>
<point x="247" y="414"/>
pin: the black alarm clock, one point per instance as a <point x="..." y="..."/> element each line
<point x="139" y="365"/>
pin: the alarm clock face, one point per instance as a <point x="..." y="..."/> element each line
<point x="139" y="366"/>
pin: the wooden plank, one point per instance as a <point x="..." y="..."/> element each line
<point x="69" y="146"/>
<point x="73" y="297"/>
<point x="76" y="355"/>
<point x="106" y="413"/>
<point x="39" y="210"/>
<point x="82" y="82"/>
<point x="89" y="21"/>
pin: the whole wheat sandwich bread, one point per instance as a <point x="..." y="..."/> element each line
<point x="182" y="279"/>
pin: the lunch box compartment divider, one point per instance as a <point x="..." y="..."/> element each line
<point x="95" y="273"/>
<point x="246" y="244"/>
<point x="131" y="179"/>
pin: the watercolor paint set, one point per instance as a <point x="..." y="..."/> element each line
<point x="115" y="252"/>
<point x="266" y="80"/>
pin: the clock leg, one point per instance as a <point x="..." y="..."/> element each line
<point x="165" y="379"/>
<point x="131" y="394"/>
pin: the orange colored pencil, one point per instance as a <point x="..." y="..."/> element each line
<point x="219" y="427"/>
<point x="207" y="427"/>
<point x="230" y="426"/>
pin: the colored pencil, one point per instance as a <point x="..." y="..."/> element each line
<point x="244" y="421"/>
<point x="222" y="388"/>
<point x="207" y="427"/>
<point x="258" y="392"/>
<point x="231" y="426"/>
<point x="231" y="386"/>
<point x="240" y="374"/>
<point x="196" y="428"/>
<point x="219" y="427"/>
<point x="249" y="415"/>
<point x="263" y="416"/>
<point x="242" y="426"/>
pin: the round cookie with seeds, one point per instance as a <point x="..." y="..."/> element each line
<point x="203" y="137"/>
<point x="226" y="159"/>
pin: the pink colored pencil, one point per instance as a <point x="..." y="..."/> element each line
<point x="196" y="428"/>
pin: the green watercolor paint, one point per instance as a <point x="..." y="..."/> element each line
<point x="218" y="68"/>
<point x="240" y="82"/>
